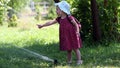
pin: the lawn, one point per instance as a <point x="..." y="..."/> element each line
<point x="45" y="41"/>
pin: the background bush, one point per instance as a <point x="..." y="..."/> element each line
<point x="108" y="16"/>
<point x="13" y="21"/>
<point x="3" y="10"/>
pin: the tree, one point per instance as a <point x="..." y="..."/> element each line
<point x="17" y="5"/>
<point x="3" y="10"/>
<point x="95" y="20"/>
<point x="56" y="1"/>
<point x="109" y="19"/>
<point x="105" y="3"/>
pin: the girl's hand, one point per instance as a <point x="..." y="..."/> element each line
<point x="40" y="26"/>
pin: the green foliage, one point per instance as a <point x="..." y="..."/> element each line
<point x="119" y="18"/>
<point x="3" y="10"/>
<point x="37" y="9"/>
<point x="81" y="10"/>
<point x="17" y="4"/>
<point x="108" y="16"/>
<point x="51" y="2"/>
<point x="13" y="21"/>
<point x="51" y="13"/>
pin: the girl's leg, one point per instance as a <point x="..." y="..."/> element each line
<point x="78" y="55"/>
<point x="69" y="56"/>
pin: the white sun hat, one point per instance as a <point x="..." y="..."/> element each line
<point x="64" y="6"/>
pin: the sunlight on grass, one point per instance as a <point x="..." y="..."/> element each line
<point x="27" y="33"/>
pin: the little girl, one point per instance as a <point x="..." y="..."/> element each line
<point x="68" y="31"/>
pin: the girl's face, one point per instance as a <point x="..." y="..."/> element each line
<point x="58" y="11"/>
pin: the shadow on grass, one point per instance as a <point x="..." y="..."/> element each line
<point x="102" y="56"/>
<point x="97" y="56"/>
<point x="50" y="50"/>
<point x="13" y="57"/>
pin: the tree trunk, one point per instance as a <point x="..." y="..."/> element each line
<point x="56" y="1"/>
<point x="95" y="20"/>
<point x="105" y="3"/>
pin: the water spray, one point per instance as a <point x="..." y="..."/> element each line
<point x="55" y="61"/>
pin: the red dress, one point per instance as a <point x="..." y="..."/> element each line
<point x="68" y="37"/>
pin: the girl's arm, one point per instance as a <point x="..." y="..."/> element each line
<point x="47" y="24"/>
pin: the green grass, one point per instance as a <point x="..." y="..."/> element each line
<point x="45" y="41"/>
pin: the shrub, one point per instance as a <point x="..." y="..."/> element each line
<point x="13" y="21"/>
<point x="3" y="10"/>
<point x="108" y="16"/>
